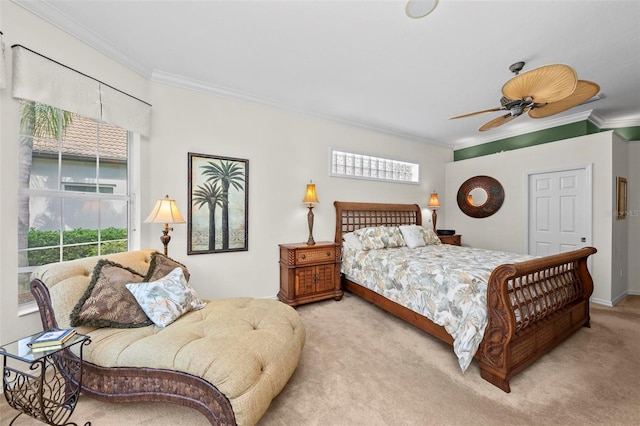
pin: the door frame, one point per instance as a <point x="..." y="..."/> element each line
<point x="588" y="168"/>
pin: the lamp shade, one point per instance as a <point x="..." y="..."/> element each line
<point x="165" y="211"/>
<point x="310" y="196"/>
<point x="434" y="203"/>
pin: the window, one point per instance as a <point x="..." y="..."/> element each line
<point x="73" y="193"/>
<point x="346" y="164"/>
<point x="83" y="187"/>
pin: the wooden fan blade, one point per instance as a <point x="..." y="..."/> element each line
<point x="477" y="112"/>
<point x="585" y="90"/>
<point x="546" y="84"/>
<point x="497" y="122"/>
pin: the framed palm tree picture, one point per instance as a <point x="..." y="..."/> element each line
<point x="218" y="204"/>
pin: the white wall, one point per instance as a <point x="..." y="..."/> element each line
<point x="284" y="151"/>
<point x="619" y="227"/>
<point x="506" y="230"/>
<point x="633" y="216"/>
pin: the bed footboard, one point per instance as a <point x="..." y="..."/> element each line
<point x="142" y="384"/>
<point x="533" y="306"/>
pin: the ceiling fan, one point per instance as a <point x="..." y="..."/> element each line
<point x="541" y="92"/>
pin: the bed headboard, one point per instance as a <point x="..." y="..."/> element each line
<point x="351" y="216"/>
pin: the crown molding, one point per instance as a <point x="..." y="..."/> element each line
<point x="46" y="11"/>
<point x="523" y="128"/>
<point x="615" y="123"/>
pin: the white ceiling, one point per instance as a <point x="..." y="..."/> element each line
<point x="365" y="62"/>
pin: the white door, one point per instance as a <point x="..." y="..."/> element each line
<point x="559" y="211"/>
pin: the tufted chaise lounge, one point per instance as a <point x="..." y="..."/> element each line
<point x="228" y="359"/>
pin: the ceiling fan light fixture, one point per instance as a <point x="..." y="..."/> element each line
<point x="517" y="67"/>
<point x="420" y="8"/>
<point x="516" y="110"/>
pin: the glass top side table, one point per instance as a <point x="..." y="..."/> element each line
<point x="48" y="388"/>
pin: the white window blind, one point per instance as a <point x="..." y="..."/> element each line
<point x="40" y="79"/>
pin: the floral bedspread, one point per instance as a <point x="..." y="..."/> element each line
<point x="445" y="283"/>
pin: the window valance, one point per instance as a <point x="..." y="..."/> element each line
<point x="41" y="79"/>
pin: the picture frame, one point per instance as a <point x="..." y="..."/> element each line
<point x="621" y="198"/>
<point x="218" y="215"/>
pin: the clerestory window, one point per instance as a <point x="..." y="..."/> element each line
<point x="360" y="166"/>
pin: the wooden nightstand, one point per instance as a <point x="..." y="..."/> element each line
<point x="454" y="240"/>
<point x="309" y="273"/>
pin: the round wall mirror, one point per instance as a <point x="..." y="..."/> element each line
<point x="480" y="196"/>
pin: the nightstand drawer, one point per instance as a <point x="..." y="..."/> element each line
<point x="293" y="255"/>
<point x="454" y="240"/>
<point x="324" y="254"/>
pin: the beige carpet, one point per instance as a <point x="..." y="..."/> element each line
<point x="361" y="366"/>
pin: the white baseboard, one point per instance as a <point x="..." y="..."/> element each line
<point x="601" y="302"/>
<point x="612" y="303"/>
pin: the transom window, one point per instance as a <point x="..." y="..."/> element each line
<point x="73" y="192"/>
<point x="360" y="166"/>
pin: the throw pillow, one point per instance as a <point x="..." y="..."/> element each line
<point x="430" y="237"/>
<point x="413" y="235"/>
<point x="373" y="238"/>
<point x="161" y="265"/>
<point x="106" y="302"/>
<point x="166" y="299"/>
<point x="394" y="237"/>
<point x="350" y="240"/>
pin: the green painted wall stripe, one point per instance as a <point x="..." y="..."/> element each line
<point x="629" y="133"/>
<point x="572" y="130"/>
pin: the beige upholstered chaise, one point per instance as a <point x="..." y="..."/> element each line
<point x="228" y="359"/>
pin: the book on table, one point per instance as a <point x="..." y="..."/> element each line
<point x="52" y="338"/>
<point x="47" y="348"/>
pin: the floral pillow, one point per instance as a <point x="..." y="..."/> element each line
<point x="413" y="236"/>
<point x="167" y="299"/>
<point x="394" y="237"/>
<point x="161" y="265"/>
<point x="379" y="237"/>
<point x="350" y="240"/>
<point x="371" y="238"/>
<point x="107" y="302"/>
<point x="430" y="237"/>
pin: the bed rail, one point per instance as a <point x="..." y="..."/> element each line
<point x="532" y="306"/>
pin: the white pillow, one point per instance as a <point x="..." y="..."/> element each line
<point x="351" y="241"/>
<point x="166" y="299"/>
<point x="413" y="236"/>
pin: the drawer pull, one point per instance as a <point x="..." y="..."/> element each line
<point x="328" y="254"/>
<point x="303" y="257"/>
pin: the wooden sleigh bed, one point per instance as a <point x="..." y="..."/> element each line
<point x="514" y="336"/>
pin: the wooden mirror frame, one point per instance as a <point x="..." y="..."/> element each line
<point x="495" y="196"/>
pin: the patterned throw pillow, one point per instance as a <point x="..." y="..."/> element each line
<point x="350" y="240"/>
<point x="107" y="302"/>
<point x="430" y="237"/>
<point x="161" y="265"/>
<point x="379" y="237"/>
<point x="394" y="237"/>
<point x="413" y="235"/>
<point x="371" y="238"/>
<point x="166" y="299"/>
